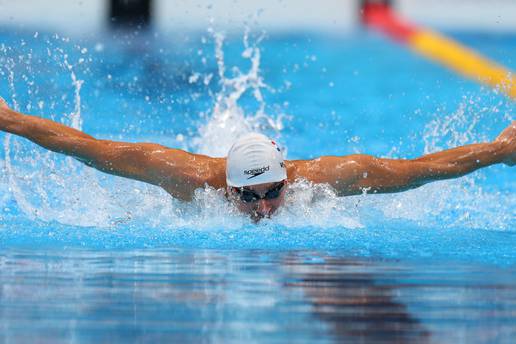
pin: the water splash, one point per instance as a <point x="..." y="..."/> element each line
<point x="228" y="120"/>
<point x="51" y="188"/>
<point x="54" y="189"/>
<point x="318" y="205"/>
<point x="43" y="185"/>
<point x="459" y="202"/>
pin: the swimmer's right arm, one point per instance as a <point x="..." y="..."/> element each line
<point x="175" y="170"/>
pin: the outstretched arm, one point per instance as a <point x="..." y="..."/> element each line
<point x="177" y="171"/>
<point x="351" y="175"/>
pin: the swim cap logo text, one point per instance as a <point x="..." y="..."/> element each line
<point x="256" y="172"/>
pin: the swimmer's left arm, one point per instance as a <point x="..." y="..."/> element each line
<point x="354" y="174"/>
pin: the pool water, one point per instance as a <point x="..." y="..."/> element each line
<point x="91" y="257"/>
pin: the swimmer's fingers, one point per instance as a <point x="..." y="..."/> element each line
<point x="3" y="104"/>
<point x="508" y="134"/>
<point x="508" y="138"/>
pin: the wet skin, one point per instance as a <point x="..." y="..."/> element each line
<point x="258" y="209"/>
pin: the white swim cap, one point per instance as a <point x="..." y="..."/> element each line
<point x="254" y="159"/>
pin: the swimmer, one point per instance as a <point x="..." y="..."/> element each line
<point x="254" y="174"/>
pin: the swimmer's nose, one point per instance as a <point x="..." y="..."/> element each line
<point x="264" y="208"/>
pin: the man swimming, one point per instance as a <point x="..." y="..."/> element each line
<point x="254" y="173"/>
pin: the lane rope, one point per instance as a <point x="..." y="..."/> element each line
<point x="436" y="47"/>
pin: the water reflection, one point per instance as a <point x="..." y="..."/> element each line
<point x="352" y="299"/>
<point x="256" y="296"/>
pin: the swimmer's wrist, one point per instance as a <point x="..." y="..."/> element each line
<point x="500" y="151"/>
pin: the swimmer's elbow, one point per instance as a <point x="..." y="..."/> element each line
<point x="379" y="175"/>
<point x="85" y="161"/>
<point x="357" y="174"/>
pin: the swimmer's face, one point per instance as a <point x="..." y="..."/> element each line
<point x="260" y="200"/>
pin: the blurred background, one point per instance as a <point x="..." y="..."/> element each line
<point x="81" y="17"/>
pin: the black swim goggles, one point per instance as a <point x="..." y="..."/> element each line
<point x="249" y="196"/>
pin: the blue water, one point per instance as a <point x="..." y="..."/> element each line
<point x="91" y="257"/>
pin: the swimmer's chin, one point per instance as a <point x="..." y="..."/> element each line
<point x="256" y="218"/>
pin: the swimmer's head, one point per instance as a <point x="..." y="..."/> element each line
<point x="254" y="159"/>
<point x="256" y="175"/>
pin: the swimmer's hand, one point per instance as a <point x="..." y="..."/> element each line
<point x="507" y="139"/>
<point x="3" y="104"/>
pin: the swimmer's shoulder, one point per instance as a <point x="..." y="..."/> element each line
<point x="206" y="170"/>
<point x="215" y="175"/>
<point x="324" y="169"/>
<point x="184" y="172"/>
<point x="297" y="169"/>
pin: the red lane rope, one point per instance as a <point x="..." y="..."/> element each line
<point x="381" y="17"/>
